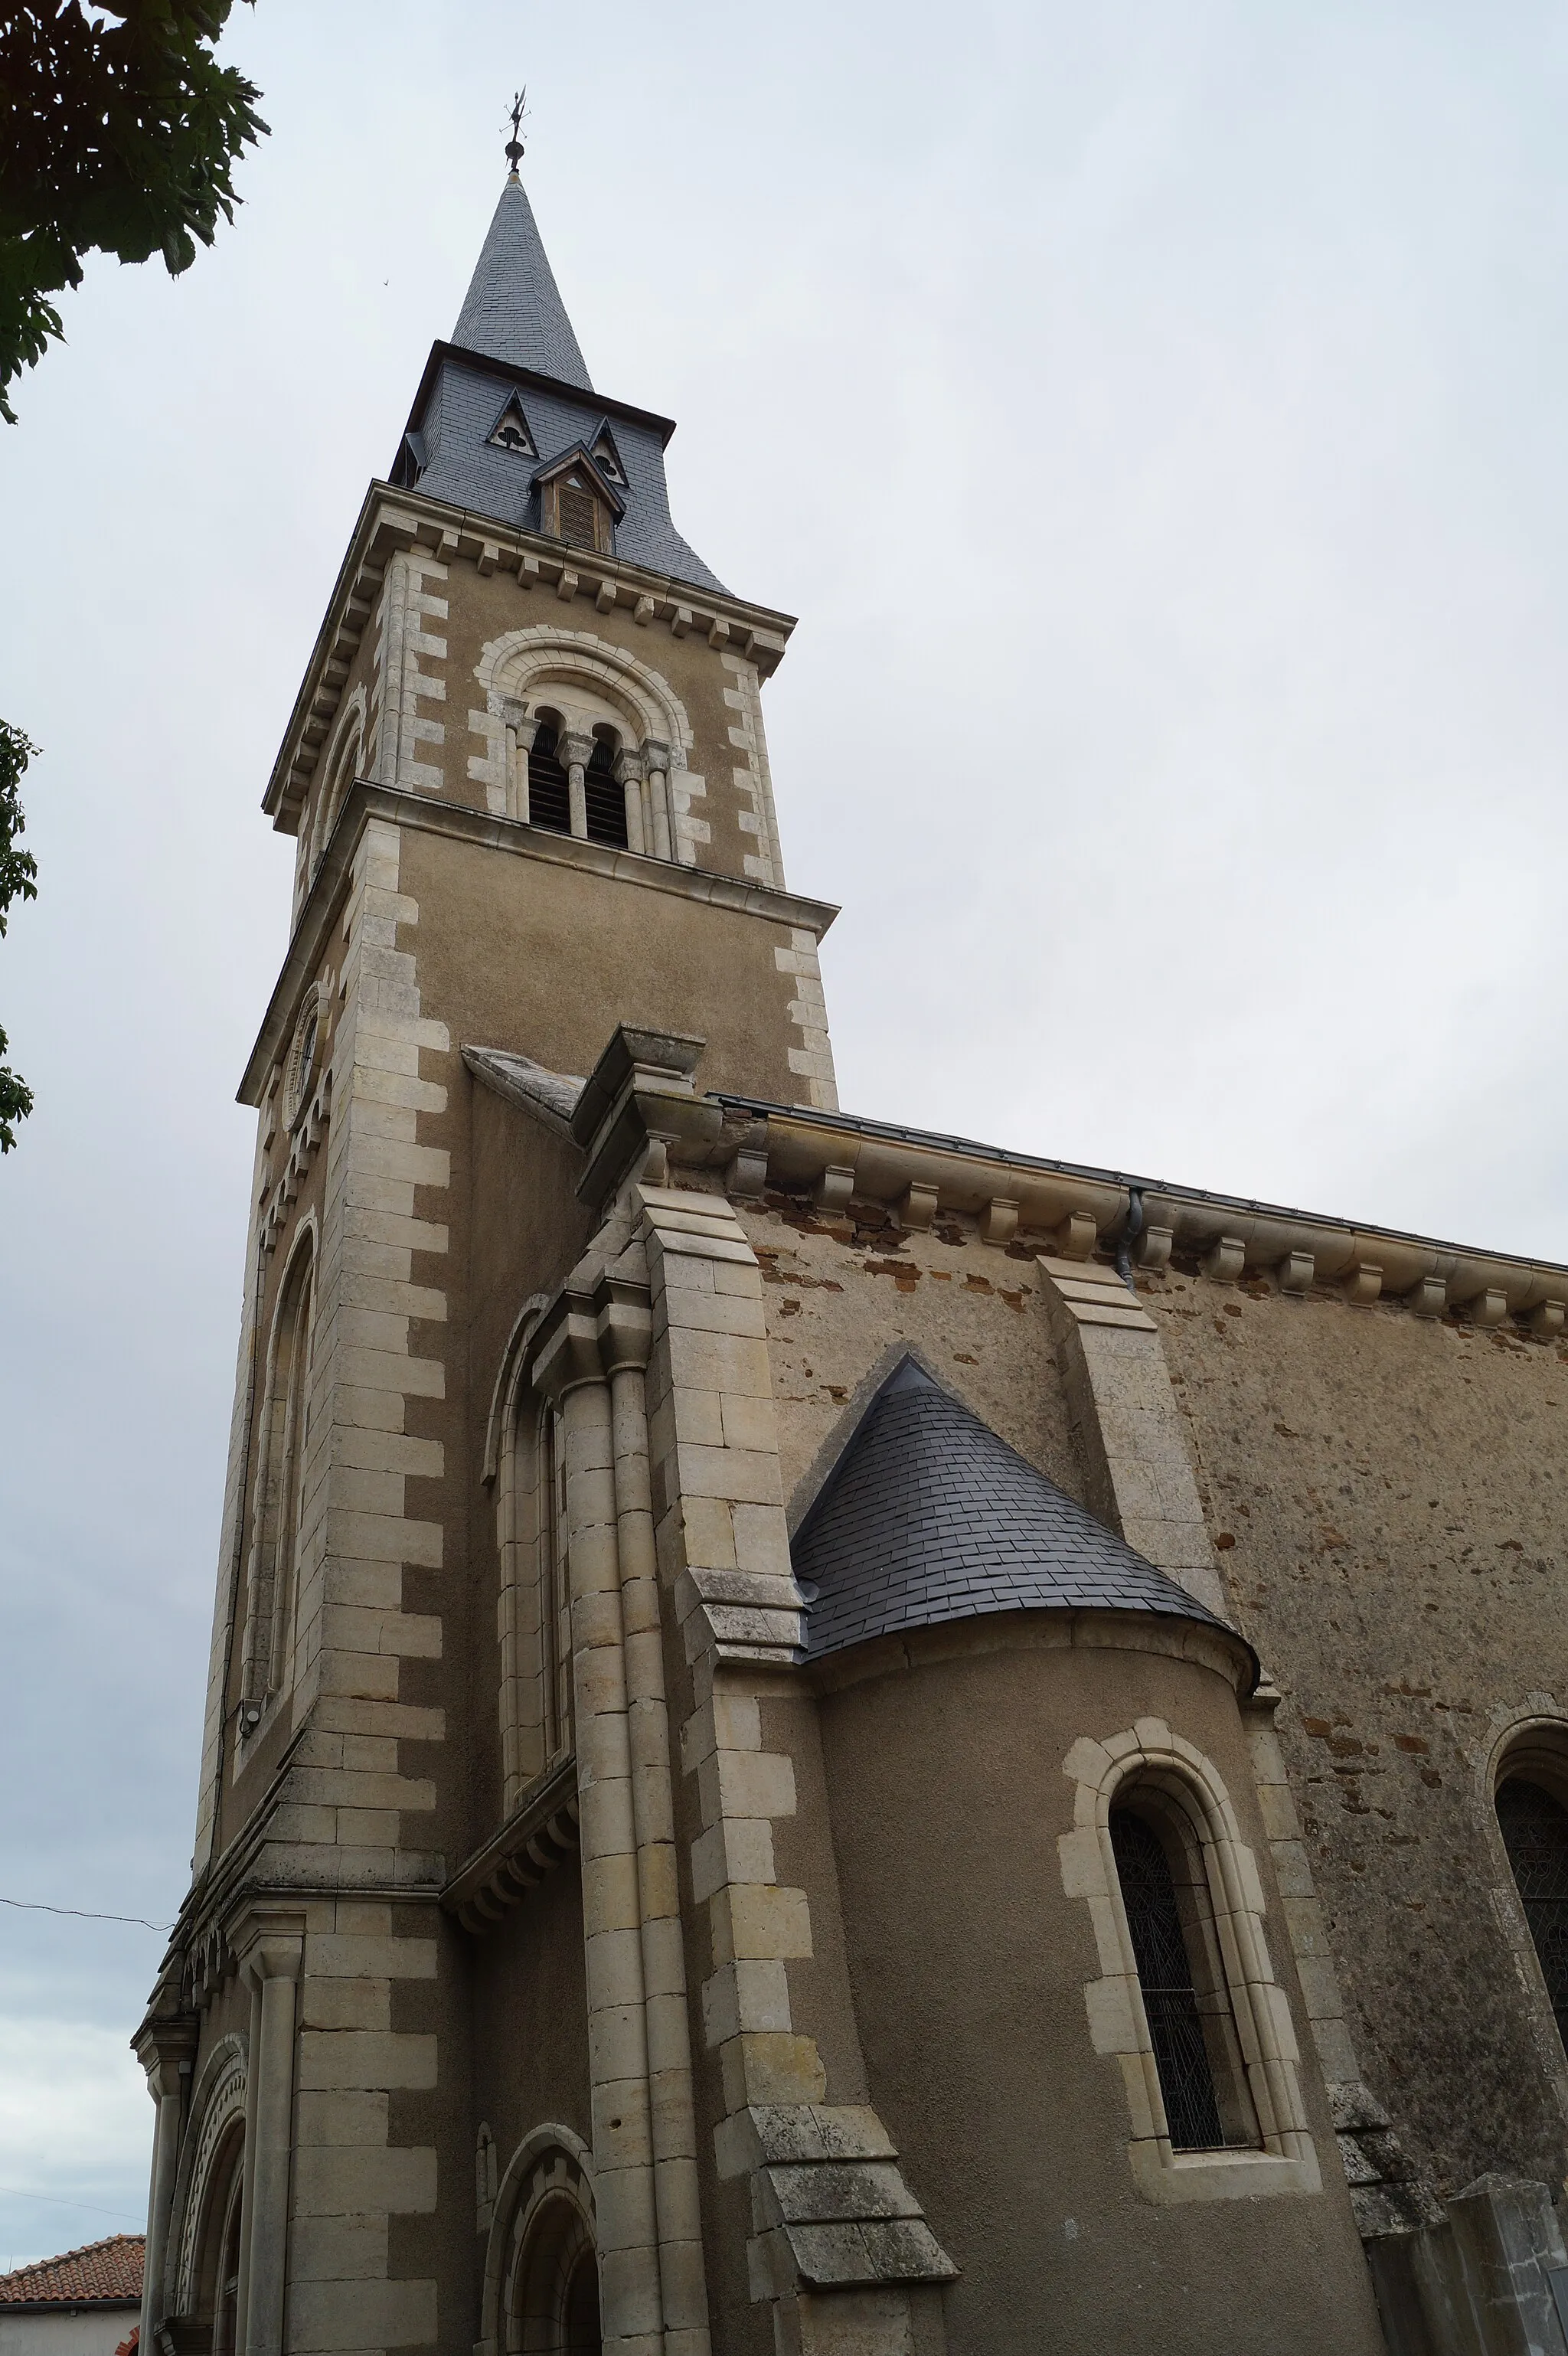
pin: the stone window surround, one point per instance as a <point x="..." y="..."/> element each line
<point x="345" y="761"/>
<point x="1289" y="2161"/>
<point x="275" y="1647"/>
<point x="551" y="2164"/>
<point x="218" y="2102"/>
<point x="518" y="671"/>
<point x="300" y="1076"/>
<point x="514" y="1484"/>
<point x="1530" y="1740"/>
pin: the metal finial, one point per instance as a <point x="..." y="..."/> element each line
<point x="514" y="144"/>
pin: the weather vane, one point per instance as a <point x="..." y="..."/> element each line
<point x="514" y="144"/>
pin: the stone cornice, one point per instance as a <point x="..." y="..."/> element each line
<point x="920" y="1174"/>
<point x="1077" y="1628"/>
<point x="430" y="816"/>
<point x="391" y="520"/>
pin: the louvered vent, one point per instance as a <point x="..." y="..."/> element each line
<point x="578" y="515"/>
<point x="549" y="796"/>
<point x="606" y="799"/>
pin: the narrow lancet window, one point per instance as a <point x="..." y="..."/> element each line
<point x="285" y="1438"/>
<point x="1181" y="1978"/>
<point x="1535" y="1833"/>
<point x="550" y="791"/>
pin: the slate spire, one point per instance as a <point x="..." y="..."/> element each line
<point x="513" y="309"/>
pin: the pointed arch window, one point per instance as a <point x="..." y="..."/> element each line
<point x="1534" y="1826"/>
<point x="1181" y="1975"/>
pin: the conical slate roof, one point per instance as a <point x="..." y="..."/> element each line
<point x="929" y="1516"/>
<point x="513" y="310"/>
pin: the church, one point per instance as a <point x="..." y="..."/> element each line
<point x="821" y="1740"/>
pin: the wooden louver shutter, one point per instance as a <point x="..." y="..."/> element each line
<point x="578" y="515"/>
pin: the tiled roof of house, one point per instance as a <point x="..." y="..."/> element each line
<point x="929" y="1516"/>
<point x="104" y="2273"/>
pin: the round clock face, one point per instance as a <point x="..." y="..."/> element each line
<point x="300" y="1071"/>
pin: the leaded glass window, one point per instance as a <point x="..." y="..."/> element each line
<point x="1182" y="1977"/>
<point x="1535" y="1833"/>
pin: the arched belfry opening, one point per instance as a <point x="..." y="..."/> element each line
<point x="606" y="801"/>
<point x="549" y="797"/>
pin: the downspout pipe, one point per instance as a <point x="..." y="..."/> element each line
<point x="1132" y="1228"/>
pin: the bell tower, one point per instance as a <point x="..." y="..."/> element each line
<point x="528" y="777"/>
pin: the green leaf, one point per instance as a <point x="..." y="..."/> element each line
<point x="120" y="138"/>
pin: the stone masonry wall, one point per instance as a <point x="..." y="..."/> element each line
<point x="1387" y="1495"/>
<point x="839" y="1291"/>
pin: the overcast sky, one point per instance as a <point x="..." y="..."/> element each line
<point x="1155" y="414"/>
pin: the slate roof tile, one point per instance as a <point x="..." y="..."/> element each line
<point x="929" y="1516"/>
<point x="513" y="309"/>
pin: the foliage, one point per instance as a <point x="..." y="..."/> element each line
<point x="119" y="133"/>
<point x="19" y="880"/>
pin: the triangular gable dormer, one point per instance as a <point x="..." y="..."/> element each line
<point x="512" y="432"/>
<point x="607" y="458"/>
<point x="577" y="502"/>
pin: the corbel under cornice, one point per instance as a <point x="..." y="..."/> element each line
<point x="540" y="1833"/>
<point x="1077" y="1210"/>
<point x="392" y="522"/>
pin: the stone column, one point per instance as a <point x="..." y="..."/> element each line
<point x="626" y="1324"/>
<point x="629" y="778"/>
<point x="166" y="2051"/>
<point x="521" y="730"/>
<point x="574" y="750"/>
<point x="656" y="761"/>
<point x="569" y="1374"/>
<point x="270" y="1947"/>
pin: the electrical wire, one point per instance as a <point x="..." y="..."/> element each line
<point x="15" y="2192"/>
<point x="82" y="1914"/>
